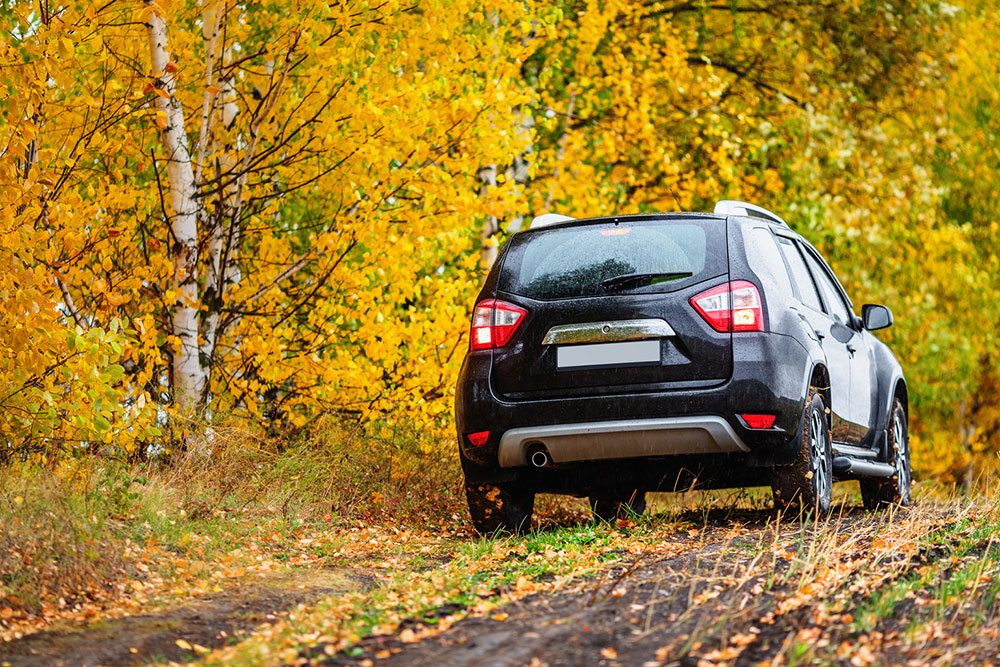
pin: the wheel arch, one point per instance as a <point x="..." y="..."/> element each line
<point x="819" y="377"/>
<point x="899" y="391"/>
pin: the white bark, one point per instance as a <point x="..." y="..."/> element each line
<point x="189" y="376"/>
<point x="223" y="264"/>
<point x="210" y="17"/>
<point x="224" y="246"/>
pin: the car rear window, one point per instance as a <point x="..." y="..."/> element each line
<point x="572" y="261"/>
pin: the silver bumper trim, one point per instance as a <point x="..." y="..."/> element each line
<point x="629" y="438"/>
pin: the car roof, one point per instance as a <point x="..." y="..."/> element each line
<point x="631" y="217"/>
<point x="723" y="209"/>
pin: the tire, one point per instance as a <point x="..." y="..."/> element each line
<point x="500" y="508"/>
<point x="881" y="493"/>
<point x="610" y="507"/>
<point x="808" y="482"/>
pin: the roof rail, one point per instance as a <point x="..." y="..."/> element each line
<point x="732" y="207"/>
<point x="546" y="219"/>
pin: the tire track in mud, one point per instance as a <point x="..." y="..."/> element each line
<point x="728" y="599"/>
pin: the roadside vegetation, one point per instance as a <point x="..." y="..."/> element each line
<point x="95" y="532"/>
<point x="354" y="549"/>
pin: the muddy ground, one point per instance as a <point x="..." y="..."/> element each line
<point x="210" y="622"/>
<point x="737" y="591"/>
<point x="716" y="603"/>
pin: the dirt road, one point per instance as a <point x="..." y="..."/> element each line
<point x="858" y="590"/>
<point x="911" y="587"/>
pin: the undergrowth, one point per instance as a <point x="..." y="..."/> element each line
<point x="71" y="534"/>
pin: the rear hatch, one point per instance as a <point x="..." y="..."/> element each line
<point x="608" y="311"/>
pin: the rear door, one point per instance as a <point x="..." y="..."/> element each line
<point x="819" y="326"/>
<point x="859" y="353"/>
<point x="608" y="308"/>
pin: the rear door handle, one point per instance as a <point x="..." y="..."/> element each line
<point x="852" y="349"/>
<point x="819" y="334"/>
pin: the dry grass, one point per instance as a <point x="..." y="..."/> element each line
<point x="74" y="537"/>
<point x="77" y="542"/>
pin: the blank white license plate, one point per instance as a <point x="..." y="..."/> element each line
<point x="608" y="354"/>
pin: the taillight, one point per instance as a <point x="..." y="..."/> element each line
<point x="758" y="421"/>
<point x="479" y="438"/>
<point x="494" y="323"/>
<point x="733" y="306"/>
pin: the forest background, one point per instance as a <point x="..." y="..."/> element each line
<point x="277" y="214"/>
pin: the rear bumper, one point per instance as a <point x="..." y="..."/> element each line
<point x="770" y="376"/>
<point x="621" y="439"/>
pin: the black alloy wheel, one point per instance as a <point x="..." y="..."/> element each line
<point x="808" y="482"/>
<point x="895" y="490"/>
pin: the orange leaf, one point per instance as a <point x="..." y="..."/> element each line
<point x="609" y="653"/>
<point x="162" y="93"/>
<point x="171" y="67"/>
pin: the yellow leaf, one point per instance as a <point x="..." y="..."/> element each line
<point x="66" y="48"/>
<point x="184" y="645"/>
<point x="161" y="120"/>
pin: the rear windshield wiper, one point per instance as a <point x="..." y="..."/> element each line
<point x="638" y="279"/>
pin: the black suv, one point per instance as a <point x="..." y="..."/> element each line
<point x="619" y="355"/>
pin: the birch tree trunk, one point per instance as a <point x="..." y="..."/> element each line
<point x="189" y="375"/>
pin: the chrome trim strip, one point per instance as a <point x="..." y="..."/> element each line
<point x="629" y="438"/>
<point x="608" y="332"/>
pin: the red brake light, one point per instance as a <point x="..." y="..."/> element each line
<point x="478" y="439"/>
<point x="494" y="323"/>
<point x="759" y="421"/>
<point x="733" y="306"/>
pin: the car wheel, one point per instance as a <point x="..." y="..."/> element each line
<point x="609" y="507"/>
<point x="880" y="493"/>
<point x="500" y="507"/>
<point x="808" y="482"/>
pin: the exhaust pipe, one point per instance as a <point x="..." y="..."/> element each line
<point x="539" y="458"/>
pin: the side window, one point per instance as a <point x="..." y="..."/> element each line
<point x="835" y="307"/>
<point x="765" y="258"/>
<point x="800" y="274"/>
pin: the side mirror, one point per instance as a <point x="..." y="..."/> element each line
<point x="876" y="316"/>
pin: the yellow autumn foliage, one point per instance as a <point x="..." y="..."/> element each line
<point x="277" y="210"/>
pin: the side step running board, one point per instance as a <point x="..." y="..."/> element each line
<point x="853" y="452"/>
<point x="848" y="466"/>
